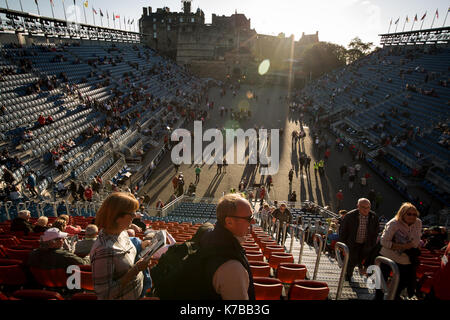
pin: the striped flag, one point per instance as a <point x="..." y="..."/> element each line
<point x="415" y="18"/>
<point x="94" y="10"/>
<point x="437" y="14"/>
<point x="51" y="2"/>
<point x="423" y="16"/>
<point x="407" y="20"/>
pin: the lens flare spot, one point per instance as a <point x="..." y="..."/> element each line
<point x="264" y="67"/>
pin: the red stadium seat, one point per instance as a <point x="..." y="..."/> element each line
<point x="259" y="268"/>
<point x="425" y="268"/>
<point x="251" y="247"/>
<point x="3" y="297"/>
<point x="268" y="250"/>
<point x="52" y="278"/>
<point x="255" y="257"/>
<point x="34" y="294"/>
<point x="84" y="296"/>
<point x="31" y="243"/>
<point x="264" y="243"/>
<point x="2" y="252"/>
<point x="19" y="254"/>
<point x="279" y="257"/>
<point x="308" y="290"/>
<point x="267" y="288"/>
<point x="288" y="272"/>
<point x="9" y="241"/>
<point x="12" y="272"/>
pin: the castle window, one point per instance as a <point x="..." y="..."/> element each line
<point x="181" y="19"/>
<point x="154" y="35"/>
<point x="192" y="19"/>
<point x="154" y="26"/>
<point x="168" y="28"/>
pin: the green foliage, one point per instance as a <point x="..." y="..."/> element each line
<point x="323" y="57"/>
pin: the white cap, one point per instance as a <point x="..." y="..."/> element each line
<point x="52" y="234"/>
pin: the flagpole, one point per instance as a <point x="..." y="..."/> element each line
<point x="7" y="7"/>
<point x="423" y="20"/>
<point x="445" y="17"/>
<point x="93" y="17"/>
<point x="37" y="5"/>
<point x="84" y="12"/>
<point x="75" y="9"/>
<point x="404" y="25"/>
<point x="390" y="24"/>
<point x="396" y="25"/>
<point x="433" y="21"/>
<point x="20" y="1"/>
<point x="414" y="21"/>
<point x="120" y="24"/>
<point x="51" y="5"/>
<point x="107" y="18"/>
<point x="64" y="9"/>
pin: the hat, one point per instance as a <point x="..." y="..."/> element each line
<point x="52" y="234"/>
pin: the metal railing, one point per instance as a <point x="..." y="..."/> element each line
<point x="342" y="264"/>
<point x="392" y="289"/>
<point x="318" y="247"/>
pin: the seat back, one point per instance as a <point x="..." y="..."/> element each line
<point x="35" y="294"/>
<point x="267" y="288"/>
<point x="308" y="290"/>
<point x="84" y="296"/>
<point x="255" y="257"/>
<point x="19" y="254"/>
<point x="276" y="258"/>
<point x="52" y="278"/>
<point x="288" y="272"/>
<point x="9" y="241"/>
<point x="259" y="268"/>
<point x="268" y="250"/>
<point x="12" y="272"/>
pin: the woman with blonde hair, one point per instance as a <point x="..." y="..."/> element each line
<point x="399" y="242"/>
<point x="41" y="224"/>
<point x="114" y="272"/>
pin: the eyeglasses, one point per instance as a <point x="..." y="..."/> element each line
<point x="249" y="218"/>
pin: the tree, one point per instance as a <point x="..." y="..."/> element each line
<point x="358" y="49"/>
<point x="323" y="57"/>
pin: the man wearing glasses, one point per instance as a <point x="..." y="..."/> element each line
<point x="226" y="265"/>
<point x="359" y="232"/>
<point x="284" y="215"/>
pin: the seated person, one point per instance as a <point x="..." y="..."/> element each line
<point x="83" y="247"/>
<point x="22" y="222"/>
<point x="41" y="225"/>
<point x="137" y="221"/>
<point x="51" y="255"/>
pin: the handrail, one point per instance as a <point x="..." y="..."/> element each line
<point x="283" y="233"/>
<point x="302" y="242"/>
<point x="171" y="205"/>
<point x="291" y="229"/>
<point x="341" y="264"/>
<point x="395" y="276"/>
<point x="318" y="248"/>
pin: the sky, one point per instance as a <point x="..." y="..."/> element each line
<point x="337" y="21"/>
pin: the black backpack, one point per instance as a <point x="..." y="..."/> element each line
<point x="179" y="273"/>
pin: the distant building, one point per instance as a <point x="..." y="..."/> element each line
<point x="227" y="46"/>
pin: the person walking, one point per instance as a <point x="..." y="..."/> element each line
<point x="291" y="175"/>
<point x="400" y="241"/>
<point x="343" y="170"/>
<point x="283" y="215"/>
<point x="339" y="198"/>
<point x="359" y="232"/>
<point x="197" y="174"/>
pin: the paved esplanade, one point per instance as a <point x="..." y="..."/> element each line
<point x="272" y="114"/>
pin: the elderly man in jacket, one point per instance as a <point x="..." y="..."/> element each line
<point x="359" y="232"/>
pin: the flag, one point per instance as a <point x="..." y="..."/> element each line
<point x="74" y="3"/>
<point x="107" y="15"/>
<point x="390" y="22"/>
<point x="423" y="16"/>
<point x="101" y="13"/>
<point x="437" y="14"/>
<point x="132" y="21"/>
<point x="51" y="2"/>
<point x="117" y="17"/>
<point x="86" y="4"/>
<point x="407" y="20"/>
<point x="94" y="10"/>
<point x="36" y="2"/>
<point x="397" y="21"/>
<point x="128" y="21"/>
<point x="415" y="18"/>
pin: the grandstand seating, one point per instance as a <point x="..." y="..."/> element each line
<point x="372" y="91"/>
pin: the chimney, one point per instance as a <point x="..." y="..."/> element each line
<point x="149" y="10"/>
<point x="145" y="13"/>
